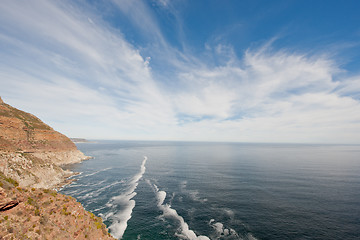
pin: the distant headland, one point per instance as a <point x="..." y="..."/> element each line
<point x="80" y="140"/>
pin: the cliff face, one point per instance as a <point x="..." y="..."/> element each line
<point x="23" y="131"/>
<point x="31" y="151"/>
<point x="31" y="154"/>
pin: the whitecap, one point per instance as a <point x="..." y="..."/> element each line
<point x="222" y="231"/>
<point x="93" y="173"/>
<point x="167" y="212"/>
<point x="119" y="219"/>
<point x="251" y="237"/>
<point x="98" y="209"/>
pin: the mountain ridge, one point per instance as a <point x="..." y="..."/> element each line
<point x="31" y="152"/>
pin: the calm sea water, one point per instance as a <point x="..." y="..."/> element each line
<point x="179" y="190"/>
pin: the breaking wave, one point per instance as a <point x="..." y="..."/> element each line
<point x="184" y="232"/>
<point x="81" y="175"/>
<point x="119" y="219"/>
<point x="223" y="232"/>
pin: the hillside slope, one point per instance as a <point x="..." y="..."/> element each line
<point x="31" y="152"/>
<point x="44" y="214"/>
<point x="31" y="155"/>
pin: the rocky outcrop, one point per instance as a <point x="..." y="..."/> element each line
<point x="21" y="130"/>
<point x="31" y="152"/>
<point x="31" y="156"/>
<point x="44" y="214"/>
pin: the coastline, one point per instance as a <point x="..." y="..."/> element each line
<point x="51" y="213"/>
<point x="33" y="157"/>
<point x="67" y="180"/>
<point x="40" y="169"/>
<point x="36" y="213"/>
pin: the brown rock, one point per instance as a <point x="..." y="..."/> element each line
<point x="8" y="205"/>
<point x="31" y="154"/>
<point x="46" y="214"/>
<point x="28" y="133"/>
<point x="31" y="151"/>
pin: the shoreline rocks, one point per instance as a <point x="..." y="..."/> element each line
<point x="40" y="170"/>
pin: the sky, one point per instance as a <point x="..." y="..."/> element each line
<point x="234" y="71"/>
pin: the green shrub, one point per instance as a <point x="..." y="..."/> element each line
<point x="9" y="180"/>
<point x="98" y="225"/>
<point x="30" y="201"/>
<point x="37" y="212"/>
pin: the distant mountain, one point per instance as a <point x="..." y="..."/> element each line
<point x="79" y="140"/>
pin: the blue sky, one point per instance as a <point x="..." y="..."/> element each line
<point x="246" y="71"/>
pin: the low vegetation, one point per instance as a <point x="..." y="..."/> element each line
<point x="45" y="214"/>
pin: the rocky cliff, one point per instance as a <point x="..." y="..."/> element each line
<point x="31" y="152"/>
<point x="31" y="156"/>
<point x="32" y="213"/>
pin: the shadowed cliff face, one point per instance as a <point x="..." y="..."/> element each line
<point x="31" y="152"/>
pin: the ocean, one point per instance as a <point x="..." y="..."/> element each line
<point x="192" y="190"/>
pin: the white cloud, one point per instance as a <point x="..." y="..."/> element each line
<point x="350" y="86"/>
<point x="64" y="61"/>
<point x="209" y="101"/>
<point x="163" y="2"/>
<point x="77" y="73"/>
<point x="142" y="18"/>
<point x="272" y="96"/>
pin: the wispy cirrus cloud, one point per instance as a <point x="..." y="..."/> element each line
<point x="76" y="68"/>
<point x="274" y="96"/>
<point x="64" y="63"/>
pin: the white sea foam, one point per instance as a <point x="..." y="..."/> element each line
<point x="93" y="173"/>
<point x="79" y="192"/>
<point x="222" y="231"/>
<point x="76" y="175"/>
<point x="184" y="231"/>
<point x="99" y="191"/>
<point x="251" y="237"/>
<point x="193" y="194"/>
<point x="98" y="209"/>
<point x="229" y="212"/>
<point x="88" y="192"/>
<point x="120" y="219"/>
